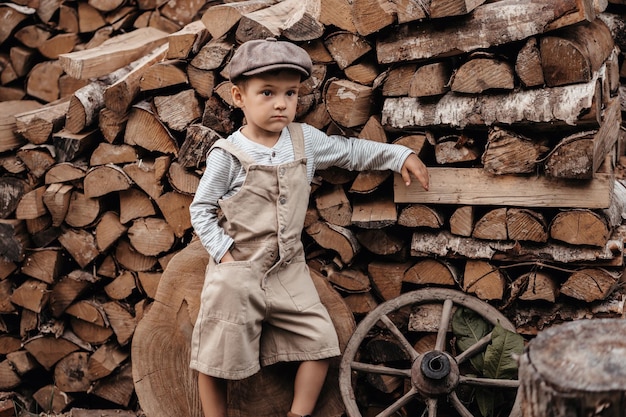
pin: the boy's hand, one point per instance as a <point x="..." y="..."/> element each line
<point x="414" y="166"/>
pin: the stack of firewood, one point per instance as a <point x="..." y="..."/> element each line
<point x="107" y="109"/>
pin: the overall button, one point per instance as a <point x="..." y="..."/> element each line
<point x="282" y="200"/>
<point x="282" y="172"/>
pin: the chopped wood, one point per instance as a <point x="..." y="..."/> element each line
<point x="163" y="75"/>
<point x="213" y="54"/>
<point x="590" y="284"/>
<point x="51" y="399"/>
<point x="44" y="265"/>
<point x="104" y="179"/>
<point x="43" y="81"/>
<point x="65" y="172"/>
<point x="580" y="227"/>
<point x="443" y="8"/>
<point x="420" y="215"/>
<point x="575" y="53"/>
<point x="80" y="244"/>
<point x="56" y="198"/>
<point x="382" y="242"/>
<point x="82" y="211"/>
<point x="38" y="125"/>
<point x="374" y="212"/>
<point x="462" y="221"/>
<point x="296" y="20"/>
<point x="526" y="18"/>
<point x="528" y="64"/>
<point x="221" y="18"/>
<point x="119" y="96"/>
<point x="456" y="148"/>
<point x="348" y="103"/>
<point x="536" y="285"/>
<point x="397" y="80"/>
<point x="482" y="73"/>
<point x="387" y="278"/>
<point x="333" y="205"/>
<point x="9" y="140"/>
<point x="181" y="180"/>
<point x="558" y="105"/>
<point x="178" y="110"/>
<point x="432" y="272"/>
<point x="508" y="152"/>
<point x="346" y="47"/>
<point x="369" y="17"/>
<point x="432" y="79"/>
<point x="151" y="236"/>
<point x="337" y="238"/>
<point x="144" y="129"/>
<point x="148" y="174"/>
<point x="484" y="280"/>
<point x="113" y="54"/>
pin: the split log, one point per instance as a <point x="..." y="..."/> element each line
<point x="535" y="285"/>
<point x="382" y="242"/>
<point x="575" y="53"/>
<point x="581" y="154"/>
<point x="387" y="278"/>
<point x="590" y="284"/>
<point x="482" y="72"/>
<point x="420" y="215"/>
<point x="484" y="280"/>
<point x="552" y="369"/>
<point x="346" y="47"/>
<point x="38" y="125"/>
<point x="580" y="227"/>
<point x="456" y="148"/>
<point x="432" y="79"/>
<point x="296" y="20"/>
<point x="333" y="205"/>
<point x="433" y="272"/>
<point x="462" y="221"/>
<point x="528" y="64"/>
<point x="119" y="96"/>
<point x="348" y="103"/>
<point x="369" y="17"/>
<point x="163" y="75"/>
<point x="9" y="140"/>
<point x="508" y="152"/>
<point x="337" y="238"/>
<point x="43" y="81"/>
<point x="113" y="54"/>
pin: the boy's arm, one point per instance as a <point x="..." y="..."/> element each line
<point x="214" y="184"/>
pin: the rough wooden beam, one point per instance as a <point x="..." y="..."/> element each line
<point x="474" y="186"/>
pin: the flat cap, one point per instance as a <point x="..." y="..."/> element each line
<point x="262" y="55"/>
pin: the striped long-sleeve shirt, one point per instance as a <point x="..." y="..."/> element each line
<point x="224" y="174"/>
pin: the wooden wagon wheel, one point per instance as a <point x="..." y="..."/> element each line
<point x="433" y="377"/>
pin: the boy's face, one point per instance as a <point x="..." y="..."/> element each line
<point x="268" y="101"/>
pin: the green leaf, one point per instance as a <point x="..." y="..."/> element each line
<point x="488" y="401"/>
<point x="468" y="328"/>
<point x="500" y="356"/>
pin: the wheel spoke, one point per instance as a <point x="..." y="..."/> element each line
<point x="398" y="334"/>
<point x="443" y="325"/>
<point x="458" y="405"/>
<point x="400" y="402"/>
<point x="379" y="369"/>
<point x="474" y="349"/>
<point x="489" y="382"/>
<point x="432" y="407"/>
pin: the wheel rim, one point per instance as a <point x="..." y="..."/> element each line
<point x="434" y="375"/>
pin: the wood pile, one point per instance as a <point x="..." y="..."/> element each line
<point x="107" y="109"/>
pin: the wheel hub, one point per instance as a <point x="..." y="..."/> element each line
<point x="435" y="373"/>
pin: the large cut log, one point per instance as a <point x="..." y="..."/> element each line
<point x="562" y="105"/>
<point x="9" y="139"/>
<point x="159" y="341"/>
<point x="575" y="367"/>
<point x="497" y="23"/>
<point x="474" y="186"/>
<point x="508" y="152"/>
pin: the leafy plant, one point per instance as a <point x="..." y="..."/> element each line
<point x="499" y="360"/>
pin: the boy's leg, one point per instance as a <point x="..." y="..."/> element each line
<point x="212" y="393"/>
<point x="308" y="385"/>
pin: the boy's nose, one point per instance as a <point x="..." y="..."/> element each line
<point x="280" y="103"/>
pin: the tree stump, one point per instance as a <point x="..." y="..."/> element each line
<point x="167" y="387"/>
<point x="575" y="369"/>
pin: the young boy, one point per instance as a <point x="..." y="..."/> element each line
<point x="259" y="305"/>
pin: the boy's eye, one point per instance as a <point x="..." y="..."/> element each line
<point x="291" y="93"/>
<point x="266" y="93"/>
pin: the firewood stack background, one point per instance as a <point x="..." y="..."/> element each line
<point x="107" y="109"/>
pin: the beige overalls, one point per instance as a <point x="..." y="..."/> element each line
<point x="263" y="308"/>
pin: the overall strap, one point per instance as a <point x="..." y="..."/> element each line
<point x="297" y="140"/>
<point x="234" y="150"/>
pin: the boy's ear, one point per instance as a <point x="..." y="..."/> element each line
<point x="236" y="94"/>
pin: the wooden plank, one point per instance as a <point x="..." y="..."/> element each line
<point x="473" y="186"/>
<point x="488" y="25"/>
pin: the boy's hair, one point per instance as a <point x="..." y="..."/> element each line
<point x="260" y="56"/>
